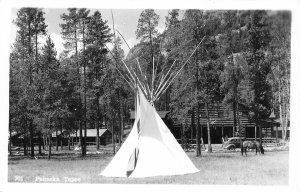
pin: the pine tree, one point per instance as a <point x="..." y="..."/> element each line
<point x="259" y="68"/>
<point x="50" y="85"/>
<point x="98" y="34"/>
<point x="147" y="32"/>
<point x="232" y="76"/>
<point x="280" y="48"/>
<point x="31" y="24"/>
<point x="73" y="30"/>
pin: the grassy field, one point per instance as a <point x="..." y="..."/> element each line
<point x="215" y="168"/>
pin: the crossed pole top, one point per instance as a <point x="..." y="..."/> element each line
<point x="152" y="93"/>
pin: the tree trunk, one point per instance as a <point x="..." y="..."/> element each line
<point x="24" y="145"/>
<point x="81" y="139"/>
<point x="234" y="117"/>
<point x="192" y="125"/>
<point x="260" y="133"/>
<point x="28" y="145"/>
<point x="256" y="120"/>
<point x="198" y="133"/>
<point x="69" y="142"/>
<point x="10" y="152"/>
<point x="152" y="52"/>
<point x="209" y="148"/>
<point x="61" y="136"/>
<point x="122" y="124"/>
<point x="104" y="116"/>
<point x="76" y="136"/>
<point x="40" y="143"/>
<point x="182" y="142"/>
<point x="50" y="144"/>
<point x="31" y="139"/>
<point x="255" y="132"/>
<point x="30" y="83"/>
<point x="121" y="118"/>
<point x="280" y="104"/>
<point x="56" y="140"/>
<point x="113" y="136"/>
<point x="198" y="136"/>
<point x="286" y="126"/>
<point x="97" y="137"/>
<point x="239" y="127"/>
<point x="98" y="124"/>
<point x="72" y="141"/>
<point x="201" y="133"/>
<point x="46" y="142"/>
<point x="43" y="144"/>
<point x="84" y="74"/>
<point x="166" y="99"/>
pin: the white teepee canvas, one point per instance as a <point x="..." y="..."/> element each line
<point x="150" y="149"/>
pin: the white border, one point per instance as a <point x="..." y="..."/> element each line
<point x="5" y="8"/>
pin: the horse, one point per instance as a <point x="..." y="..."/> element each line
<point x="252" y="145"/>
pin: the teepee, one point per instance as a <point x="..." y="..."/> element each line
<point x="150" y="149"/>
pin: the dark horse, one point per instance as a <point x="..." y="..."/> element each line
<point x="252" y="145"/>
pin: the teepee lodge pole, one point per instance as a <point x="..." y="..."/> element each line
<point x="163" y="78"/>
<point x="130" y="83"/>
<point x="165" y="86"/>
<point x="124" y="40"/>
<point x="143" y="76"/>
<point x="143" y="88"/>
<point x="178" y="72"/>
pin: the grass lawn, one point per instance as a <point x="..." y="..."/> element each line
<point x="215" y="168"/>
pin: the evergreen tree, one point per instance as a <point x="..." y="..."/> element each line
<point x="232" y="76"/>
<point x="147" y="32"/>
<point x="146" y="29"/>
<point x="49" y="90"/>
<point x="31" y="24"/>
<point x="280" y="48"/>
<point x="259" y="68"/>
<point x="74" y="31"/>
<point x="84" y="20"/>
<point x="98" y="34"/>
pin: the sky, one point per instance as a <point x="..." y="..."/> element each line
<point x="125" y="21"/>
